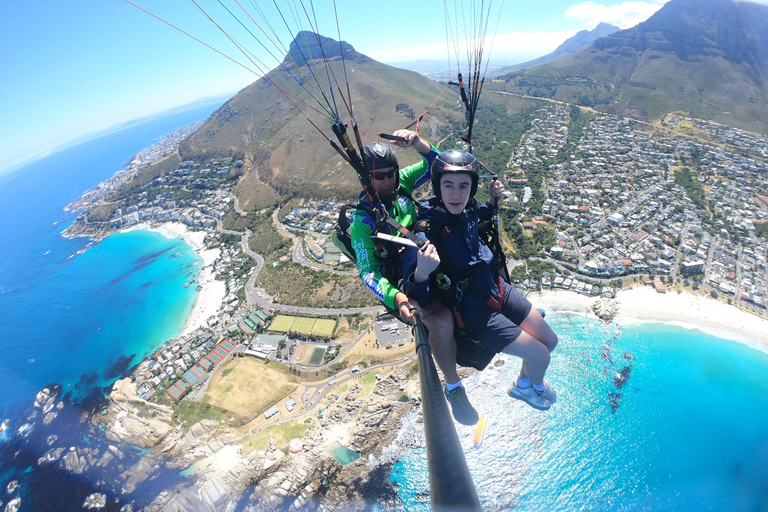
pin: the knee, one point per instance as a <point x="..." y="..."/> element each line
<point x="551" y="341"/>
<point x="440" y="325"/>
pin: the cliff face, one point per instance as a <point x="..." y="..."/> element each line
<point x="307" y="47"/>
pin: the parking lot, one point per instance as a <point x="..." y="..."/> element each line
<point x="391" y="331"/>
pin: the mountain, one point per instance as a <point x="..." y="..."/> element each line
<point x="577" y="42"/>
<point x="705" y="58"/>
<point x="284" y="154"/>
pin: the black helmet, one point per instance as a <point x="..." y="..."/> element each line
<point x="455" y="160"/>
<point x="379" y="156"/>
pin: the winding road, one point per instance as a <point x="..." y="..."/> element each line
<point x="258" y="298"/>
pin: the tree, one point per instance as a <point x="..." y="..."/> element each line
<point x="544" y="236"/>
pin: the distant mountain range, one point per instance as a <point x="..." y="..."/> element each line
<point x="704" y="58"/>
<point x="439" y="70"/>
<point x="576" y="43"/>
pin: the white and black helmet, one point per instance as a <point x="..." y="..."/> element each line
<point x="455" y="161"/>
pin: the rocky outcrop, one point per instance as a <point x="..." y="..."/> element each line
<point x="605" y="309"/>
<point x="133" y="420"/>
<point x="308" y="480"/>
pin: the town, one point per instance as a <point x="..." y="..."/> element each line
<point x="679" y="203"/>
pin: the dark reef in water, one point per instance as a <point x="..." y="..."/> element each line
<point x="379" y="489"/>
<point x="119" y="367"/>
<point x="620" y="378"/>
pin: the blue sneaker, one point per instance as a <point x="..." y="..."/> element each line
<point x="463" y="412"/>
<point x="541" y="401"/>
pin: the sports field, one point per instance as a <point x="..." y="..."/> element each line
<point x="282" y="323"/>
<point x="308" y="326"/>
<point x="247" y="386"/>
<point x="324" y="327"/>
<point x="317" y="356"/>
<point x="303" y="325"/>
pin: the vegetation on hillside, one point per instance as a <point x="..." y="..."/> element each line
<point x="685" y="178"/>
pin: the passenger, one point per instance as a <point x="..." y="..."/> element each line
<point x="491" y="310"/>
<point x="380" y="264"/>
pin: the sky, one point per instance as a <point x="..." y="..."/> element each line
<point x="72" y="68"/>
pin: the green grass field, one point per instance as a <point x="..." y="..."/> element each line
<point x="317" y="356"/>
<point x="282" y="323"/>
<point x="324" y="327"/>
<point x="303" y="325"/>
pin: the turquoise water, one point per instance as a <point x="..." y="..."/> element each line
<point x="78" y="322"/>
<point x="689" y="430"/>
<point x="343" y="454"/>
<point x="82" y="320"/>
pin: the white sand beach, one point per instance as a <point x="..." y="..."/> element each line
<point x="212" y="292"/>
<point x="643" y="304"/>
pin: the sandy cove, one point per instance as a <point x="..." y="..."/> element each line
<point x="643" y="304"/>
<point x="212" y="293"/>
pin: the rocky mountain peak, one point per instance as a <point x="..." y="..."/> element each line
<point x="308" y="46"/>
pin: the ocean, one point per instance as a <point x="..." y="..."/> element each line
<point x="649" y="416"/>
<point x="78" y="321"/>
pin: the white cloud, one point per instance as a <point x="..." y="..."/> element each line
<point x="513" y="47"/>
<point x="623" y="15"/>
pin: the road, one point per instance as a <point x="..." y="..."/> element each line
<point x="298" y="249"/>
<point x="257" y="298"/>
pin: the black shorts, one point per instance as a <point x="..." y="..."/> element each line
<point x="495" y="329"/>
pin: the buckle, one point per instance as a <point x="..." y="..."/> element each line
<point x="460" y="289"/>
<point x="442" y="281"/>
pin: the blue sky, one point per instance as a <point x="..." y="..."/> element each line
<point x="71" y="68"/>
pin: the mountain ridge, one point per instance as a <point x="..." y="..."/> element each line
<point x="284" y="154"/>
<point x="706" y="58"/>
<point x="577" y="42"/>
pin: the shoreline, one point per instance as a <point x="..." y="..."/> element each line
<point x="644" y="305"/>
<point x="211" y="296"/>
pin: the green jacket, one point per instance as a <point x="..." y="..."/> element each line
<point x="372" y="270"/>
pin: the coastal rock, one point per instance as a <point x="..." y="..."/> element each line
<point x="185" y="448"/>
<point x="95" y="500"/>
<point x="137" y="474"/>
<point x="51" y="455"/>
<point x="13" y="505"/>
<point x="605" y="309"/>
<point x="73" y="462"/>
<point x="133" y="420"/>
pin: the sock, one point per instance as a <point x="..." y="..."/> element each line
<point x="453" y="386"/>
<point x="523" y="383"/>
<point x="540" y="388"/>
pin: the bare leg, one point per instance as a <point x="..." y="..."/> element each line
<point x="534" y="354"/>
<point x="535" y="325"/>
<point x="439" y="320"/>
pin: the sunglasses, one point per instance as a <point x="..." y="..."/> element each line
<point x="383" y="175"/>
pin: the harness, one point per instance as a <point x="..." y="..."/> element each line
<point x="449" y="283"/>
<point x="387" y="252"/>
